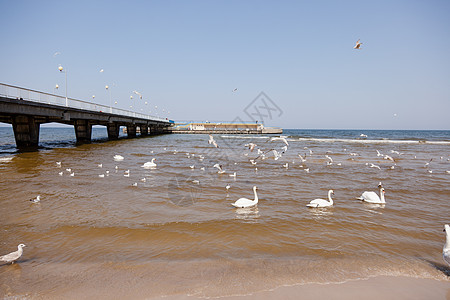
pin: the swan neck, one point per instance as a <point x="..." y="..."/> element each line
<point x="382" y="196"/>
<point x="256" y="196"/>
<point x="447" y="241"/>
<point x="329" y="197"/>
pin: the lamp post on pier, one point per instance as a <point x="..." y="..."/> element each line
<point x="61" y="69"/>
<point x="110" y="101"/>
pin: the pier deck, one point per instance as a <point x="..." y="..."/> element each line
<point x="26" y="109"/>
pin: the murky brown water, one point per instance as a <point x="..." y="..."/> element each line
<point x="169" y="235"/>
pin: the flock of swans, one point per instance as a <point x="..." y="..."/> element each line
<point x="367" y="196"/>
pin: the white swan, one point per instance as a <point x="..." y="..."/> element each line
<point x="322" y="202"/>
<point x="13" y="256"/>
<point x="244" y="202"/>
<point x="118" y="157"/>
<point x="149" y="164"/>
<point x="372" y="197"/>
<point x="446" y="250"/>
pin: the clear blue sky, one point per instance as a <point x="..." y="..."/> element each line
<point x="186" y="57"/>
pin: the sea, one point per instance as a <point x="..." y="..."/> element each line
<point x="110" y="229"/>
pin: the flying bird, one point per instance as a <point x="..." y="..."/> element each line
<point x="283" y="139"/>
<point x="219" y="167"/>
<point x="139" y="94"/>
<point x="250" y="146"/>
<point x="358" y="45"/>
<point x="212" y="141"/>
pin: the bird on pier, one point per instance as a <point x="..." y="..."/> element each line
<point x="13" y="256"/>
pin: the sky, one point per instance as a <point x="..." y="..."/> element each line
<point x="210" y="60"/>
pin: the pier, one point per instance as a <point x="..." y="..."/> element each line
<point x="223" y="128"/>
<point x="27" y="109"/>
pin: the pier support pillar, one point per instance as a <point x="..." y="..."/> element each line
<point x="83" y="131"/>
<point x="144" y="130"/>
<point x="113" y="131"/>
<point x="131" y="131"/>
<point x="26" y="131"/>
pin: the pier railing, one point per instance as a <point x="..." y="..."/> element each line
<point x="10" y="91"/>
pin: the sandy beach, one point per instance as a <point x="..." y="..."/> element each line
<point x="381" y="287"/>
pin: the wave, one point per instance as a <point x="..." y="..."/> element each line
<point x="6" y="159"/>
<point x="244" y="137"/>
<point x="361" y="141"/>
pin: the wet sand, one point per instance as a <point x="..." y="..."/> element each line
<point x="382" y="287"/>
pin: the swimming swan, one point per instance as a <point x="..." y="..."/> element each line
<point x="446" y="250"/>
<point x="149" y="164"/>
<point x="322" y="202"/>
<point x="372" y="197"/>
<point x="244" y="202"/>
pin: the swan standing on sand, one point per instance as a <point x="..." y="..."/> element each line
<point x="446" y="250"/>
<point x="372" y="197"/>
<point x="13" y="256"/>
<point x="322" y="202"/>
<point x="244" y="202"/>
<point x="149" y="164"/>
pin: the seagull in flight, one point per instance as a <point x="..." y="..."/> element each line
<point x="250" y="146"/>
<point x="283" y="139"/>
<point x="139" y="94"/>
<point x="358" y="45"/>
<point x="219" y="167"/>
<point x="212" y="141"/>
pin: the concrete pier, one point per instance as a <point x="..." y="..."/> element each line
<point x="144" y="130"/>
<point x="83" y="131"/>
<point x="26" y="131"/>
<point x="131" y="131"/>
<point x="113" y="131"/>
<point x="31" y="108"/>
